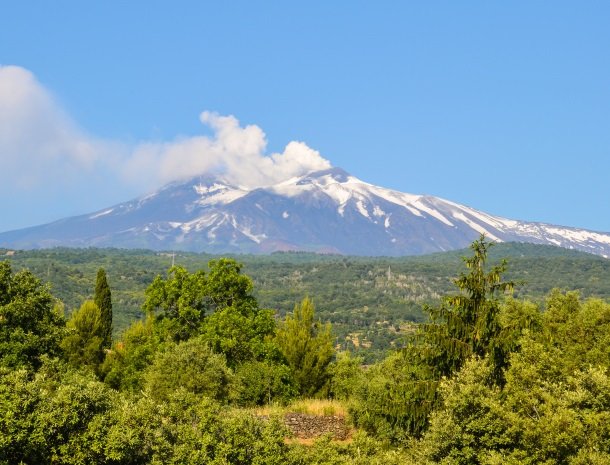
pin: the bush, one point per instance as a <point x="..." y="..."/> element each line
<point x="346" y="375"/>
<point x="125" y="363"/>
<point x="394" y="401"/>
<point x="190" y="365"/>
<point x="259" y="383"/>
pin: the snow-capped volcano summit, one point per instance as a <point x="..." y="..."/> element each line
<point x="323" y="211"/>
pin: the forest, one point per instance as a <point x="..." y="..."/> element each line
<point x="488" y="367"/>
<point x="372" y="302"/>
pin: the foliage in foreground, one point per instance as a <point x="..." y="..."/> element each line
<point x="30" y="325"/>
<point x="60" y="415"/>
<point x="491" y="380"/>
<point x="402" y="391"/>
<point x="554" y="407"/>
<point x="551" y="406"/>
<point x="307" y="346"/>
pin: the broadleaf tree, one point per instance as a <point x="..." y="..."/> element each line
<point x="84" y="341"/>
<point x="179" y="302"/>
<point x="29" y="324"/>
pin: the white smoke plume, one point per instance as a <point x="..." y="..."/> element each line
<point x="235" y="151"/>
<point x="39" y="141"/>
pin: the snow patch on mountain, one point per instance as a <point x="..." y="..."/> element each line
<point x="102" y="213"/>
<point x="419" y="205"/>
<point x="476" y="226"/>
<point x="218" y="194"/>
<point x="329" y="210"/>
<point x="378" y="211"/>
<point x="579" y="234"/>
<point x="362" y="209"/>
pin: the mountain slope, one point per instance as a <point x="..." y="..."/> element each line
<point x="326" y="211"/>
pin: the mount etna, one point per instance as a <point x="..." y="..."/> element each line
<point x="326" y="211"/>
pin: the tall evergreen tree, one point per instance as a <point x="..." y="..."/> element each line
<point x="307" y="345"/>
<point x="103" y="299"/>
<point x="401" y="396"/>
<point x="466" y="323"/>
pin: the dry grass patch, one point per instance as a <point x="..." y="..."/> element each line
<point x="319" y="407"/>
<point x="312" y="441"/>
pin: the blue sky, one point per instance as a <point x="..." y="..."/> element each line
<point x="502" y="106"/>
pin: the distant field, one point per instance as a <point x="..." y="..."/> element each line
<point x="371" y="302"/>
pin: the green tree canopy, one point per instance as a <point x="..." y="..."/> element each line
<point x="29" y="324"/>
<point x="83" y="343"/>
<point x="181" y="301"/>
<point x="263" y="382"/>
<point x="125" y="363"/>
<point x="581" y="329"/>
<point x="56" y="415"/>
<point x="307" y="345"/>
<point x="189" y="365"/>
<point x="547" y="412"/>
<point x="227" y="287"/>
<point x="397" y="397"/>
<point x="242" y="335"/>
<point x="466" y="324"/>
<point x="178" y="301"/>
<point x="60" y="415"/>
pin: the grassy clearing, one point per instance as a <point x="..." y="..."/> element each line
<point x="319" y="407"/>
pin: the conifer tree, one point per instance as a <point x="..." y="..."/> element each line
<point x="400" y="397"/>
<point x="466" y="323"/>
<point x="307" y="345"/>
<point x="103" y="299"/>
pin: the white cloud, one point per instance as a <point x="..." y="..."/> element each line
<point x="39" y="141"/>
<point x="36" y="137"/>
<point x="235" y="151"/>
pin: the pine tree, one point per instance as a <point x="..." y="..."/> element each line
<point x="466" y="323"/>
<point x="103" y="299"/>
<point x="400" y="398"/>
<point x="307" y="345"/>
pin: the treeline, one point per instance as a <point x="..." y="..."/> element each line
<point x="371" y="302"/>
<point x="487" y="379"/>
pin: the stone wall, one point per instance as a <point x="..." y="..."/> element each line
<point x="305" y="426"/>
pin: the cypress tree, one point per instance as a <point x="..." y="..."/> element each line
<point x="103" y="299"/>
